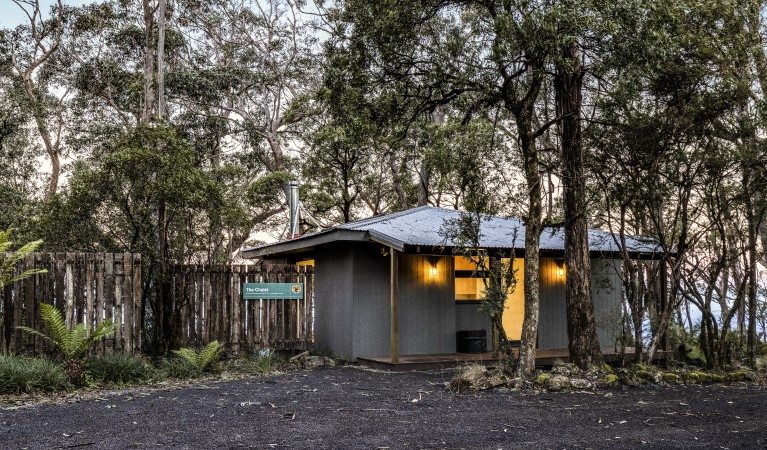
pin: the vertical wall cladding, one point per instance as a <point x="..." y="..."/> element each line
<point x="552" y="325"/>
<point x="426" y="304"/>
<point x="371" y="327"/>
<point x="333" y="295"/>
<point x="607" y="294"/>
<point x="469" y="317"/>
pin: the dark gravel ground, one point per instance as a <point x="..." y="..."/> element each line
<point x="349" y="407"/>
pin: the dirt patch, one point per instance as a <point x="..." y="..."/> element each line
<point x="349" y="407"/>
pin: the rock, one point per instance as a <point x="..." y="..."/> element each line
<point x="609" y="380"/>
<point x="717" y="378"/>
<point x="566" y="369"/>
<point x="313" y="362"/>
<point x="581" y="383"/>
<point x="472" y="376"/>
<point x="558" y="382"/>
<point x="698" y="377"/>
<point x="643" y="376"/>
<point x="672" y="378"/>
<point x="542" y="378"/>
<point x="493" y="382"/>
<point x="741" y="375"/>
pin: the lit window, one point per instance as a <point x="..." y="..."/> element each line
<point x="469" y="284"/>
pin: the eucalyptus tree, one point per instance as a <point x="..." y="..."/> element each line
<point x="30" y="55"/>
<point x="247" y="83"/>
<point x="753" y="163"/>
<point x="658" y="148"/>
<point x="111" y="206"/>
<point x="18" y="167"/>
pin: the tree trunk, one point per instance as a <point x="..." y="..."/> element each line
<point x="161" y="60"/>
<point x="751" y="273"/>
<point x="148" y="105"/>
<point x="532" y="258"/>
<point x="583" y="343"/>
<point x="523" y="114"/>
<point x="424" y="173"/>
<point x="26" y="70"/>
<point x="397" y="181"/>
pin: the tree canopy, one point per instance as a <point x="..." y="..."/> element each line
<point x="642" y="118"/>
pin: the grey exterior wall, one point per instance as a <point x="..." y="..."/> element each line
<point x="606" y="292"/>
<point x="352" y="303"/>
<point x="468" y="317"/>
<point x="371" y="302"/>
<point x="552" y="319"/>
<point x="426" y="305"/>
<point x="333" y="311"/>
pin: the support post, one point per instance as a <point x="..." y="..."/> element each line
<point x="394" y="298"/>
<point x="665" y="345"/>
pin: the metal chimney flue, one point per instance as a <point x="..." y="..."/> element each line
<point x="293" y="204"/>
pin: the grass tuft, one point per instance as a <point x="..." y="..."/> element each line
<point x="118" y="368"/>
<point x="177" y="368"/>
<point x="20" y="374"/>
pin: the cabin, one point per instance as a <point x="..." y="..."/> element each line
<point x="404" y="263"/>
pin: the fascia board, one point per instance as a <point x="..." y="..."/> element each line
<point x="304" y="243"/>
<point x="385" y="239"/>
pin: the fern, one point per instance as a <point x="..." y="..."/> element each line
<point x="9" y="264"/>
<point x="203" y="358"/>
<point x="74" y="342"/>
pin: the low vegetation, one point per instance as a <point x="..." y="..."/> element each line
<point x="566" y="376"/>
<point x="261" y="362"/>
<point x="119" y="368"/>
<point x="204" y="359"/>
<point x="71" y="342"/>
<point x="19" y="374"/>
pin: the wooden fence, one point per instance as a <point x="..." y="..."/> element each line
<point x="212" y="307"/>
<point x="86" y="287"/>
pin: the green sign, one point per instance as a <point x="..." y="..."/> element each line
<point x="257" y="291"/>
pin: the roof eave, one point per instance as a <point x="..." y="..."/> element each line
<point x="304" y="243"/>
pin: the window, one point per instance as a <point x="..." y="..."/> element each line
<point x="469" y="285"/>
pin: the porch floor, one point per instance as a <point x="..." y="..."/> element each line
<point x="543" y="358"/>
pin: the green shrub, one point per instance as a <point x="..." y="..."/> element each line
<point x="742" y="375"/>
<point x="178" y="368"/>
<point x="190" y="363"/>
<point x="8" y="259"/>
<point x="611" y="380"/>
<point x="22" y="374"/>
<point x="672" y="378"/>
<point x="203" y="359"/>
<point x="118" y="368"/>
<point x="698" y="378"/>
<point x="542" y="378"/>
<point x="261" y="362"/>
<point x="73" y="342"/>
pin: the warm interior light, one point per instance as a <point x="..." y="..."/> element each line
<point x="560" y="267"/>
<point x="434" y="271"/>
<point x="561" y="271"/>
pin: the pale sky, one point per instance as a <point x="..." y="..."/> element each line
<point x="11" y="15"/>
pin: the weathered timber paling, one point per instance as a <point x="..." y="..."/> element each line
<point x="86" y="287"/>
<point x="213" y="307"/>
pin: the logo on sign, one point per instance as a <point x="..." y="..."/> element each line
<point x="296" y="288"/>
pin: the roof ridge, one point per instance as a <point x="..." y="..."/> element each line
<point x="384" y="217"/>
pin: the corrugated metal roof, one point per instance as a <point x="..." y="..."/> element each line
<point x="425" y="225"/>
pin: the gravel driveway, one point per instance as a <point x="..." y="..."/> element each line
<point x="350" y="407"/>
